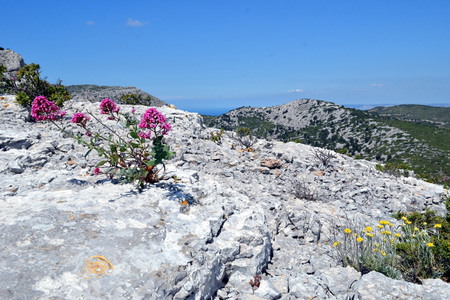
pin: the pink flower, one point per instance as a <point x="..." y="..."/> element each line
<point x="156" y="122"/>
<point x="80" y="118"/>
<point x="97" y="171"/>
<point x="88" y="133"/>
<point x="42" y="109"/>
<point x="108" y="106"/>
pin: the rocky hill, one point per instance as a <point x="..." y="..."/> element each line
<point x="351" y="131"/>
<point x="438" y="116"/>
<point x="90" y="92"/>
<point x="220" y="217"/>
<point x="12" y="61"/>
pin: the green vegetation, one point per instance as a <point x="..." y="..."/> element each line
<point x="135" y="99"/>
<point x="419" y="249"/>
<point x="217" y="137"/>
<point x="436" y="230"/>
<point x="438" y="116"/>
<point x="365" y="135"/>
<point x="394" y="169"/>
<point x="29" y="84"/>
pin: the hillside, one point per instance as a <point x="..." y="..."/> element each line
<point x="93" y="93"/>
<point x="218" y="218"/>
<point x="438" y="116"/>
<point x="358" y="133"/>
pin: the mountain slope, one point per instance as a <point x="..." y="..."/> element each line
<point x="360" y="133"/>
<point x="94" y="93"/>
<point x="439" y="116"/>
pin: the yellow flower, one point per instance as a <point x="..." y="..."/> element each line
<point x="383" y="253"/>
<point x="390" y="224"/>
<point x="416" y="229"/>
<point x="355" y="234"/>
<point x="346" y="230"/>
<point x="375" y="249"/>
<point x="430" y="245"/>
<point x="425" y="223"/>
<point x="360" y="239"/>
<point x="335" y="244"/>
<point x="370" y="235"/>
<point x="404" y="218"/>
<point x="369" y="229"/>
<point x="408" y="222"/>
<point x="383" y="222"/>
<point x="376" y="244"/>
<point x="380" y="226"/>
<point x="438" y="226"/>
<point x="398" y="235"/>
<point x="413" y="235"/>
<point x="388" y="232"/>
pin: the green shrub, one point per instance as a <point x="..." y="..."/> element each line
<point x="2" y="81"/>
<point x="135" y="99"/>
<point x="417" y="250"/>
<point x="394" y="169"/>
<point x="216" y="137"/>
<point x="29" y="84"/>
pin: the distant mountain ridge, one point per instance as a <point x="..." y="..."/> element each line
<point x="439" y="116"/>
<point x="93" y="92"/>
<point x="359" y="133"/>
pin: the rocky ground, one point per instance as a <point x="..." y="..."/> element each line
<point x="218" y="218"/>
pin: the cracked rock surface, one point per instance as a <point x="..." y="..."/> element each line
<point x="241" y="219"/>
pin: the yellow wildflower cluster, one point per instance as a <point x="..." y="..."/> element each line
<point x="384" y="222"/>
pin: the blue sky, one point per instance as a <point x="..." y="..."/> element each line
<point x="227" y="54"/>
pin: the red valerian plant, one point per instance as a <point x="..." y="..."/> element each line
<point x="42" y="109"/>
<point x="131" y="156"/>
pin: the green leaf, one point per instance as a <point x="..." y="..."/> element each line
<point x="101" y="163"/>
<point x="134" y="135"/>
<point x="150" y="163"/>
<point x="87" y="153"/>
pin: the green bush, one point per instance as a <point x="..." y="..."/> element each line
<point x="416" y="250"/>
<point x="394" y="169"/>
<point x="135" y="99"/>
<point x="29" y="84"/>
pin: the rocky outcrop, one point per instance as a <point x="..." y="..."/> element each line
<point x="12" y="61"/>
<point x="94" y="93"/>
<point x="220" y="216"/>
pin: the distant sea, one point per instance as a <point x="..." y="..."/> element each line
<point x="210" y="111"/>
<point x="215" y="111"/>
<point x="370" y="106"/>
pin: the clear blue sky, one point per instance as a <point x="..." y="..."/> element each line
<point x="233" y="53"/>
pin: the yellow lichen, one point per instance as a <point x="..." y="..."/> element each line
<point x="97" y="266"/>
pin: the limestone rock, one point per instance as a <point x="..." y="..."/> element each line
<point x="215" y="220"/>
<point x="12" y="61"/>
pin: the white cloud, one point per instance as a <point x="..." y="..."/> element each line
<point x="90" y="22"/>
<point x="135" y="23"/>
<point x="377" y="84"/>
<point x="295" y="91"/>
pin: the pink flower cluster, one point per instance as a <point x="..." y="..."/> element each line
<point x="155" y="121"/>
<point x="80" y="118"/>
<point x="42" y="109"/>
<point x="108" y="107"/>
